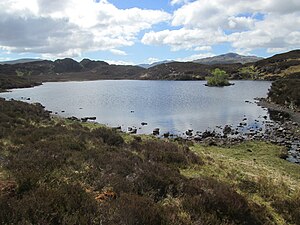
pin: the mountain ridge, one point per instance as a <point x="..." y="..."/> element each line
<point x="228" y="58"/>
<point x="18" y="61"/>
<point x="147" y="66"/>
<point x="285" y="65"/>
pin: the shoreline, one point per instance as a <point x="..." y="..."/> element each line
<point x="284" y="133"/>
<point x="265" y="103"/>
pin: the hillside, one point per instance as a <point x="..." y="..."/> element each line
<point x="33" y="73"/>
<point x="20" y="61"/>
<point x="286" y="65"/>
<point x="286" y="92"/>
<point x="186" y="71"/>
<point x="229" y="58"/>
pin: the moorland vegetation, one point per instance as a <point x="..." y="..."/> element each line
<point x="57" y="171"/>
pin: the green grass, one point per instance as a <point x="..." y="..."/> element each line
<point x="255" y="170"/>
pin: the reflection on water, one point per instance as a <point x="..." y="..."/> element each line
<point x="173" y="106"/>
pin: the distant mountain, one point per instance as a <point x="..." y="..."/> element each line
<point x="228" y="58"/>
<point x="11" y="62"/>
<point x="285" y="65"/>
<point x="33" y="73"/>
<point x="186" y="71"/>
<point x="147" y="66"/>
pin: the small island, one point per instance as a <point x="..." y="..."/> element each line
<point x="219" y="78"/>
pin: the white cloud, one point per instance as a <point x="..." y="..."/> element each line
<point x="194" y="57"/>
<point x="245" y="24"/>
<point x="70" y="27"/>
<point x="152" y="60"/>
<point x="203" y="48"/>
<point x="183" y="39"/>
<point x="175" y="2"/>
<point x="274" y="32"/>
<point x="119" y="62"/>
<point x="118" y="52"/>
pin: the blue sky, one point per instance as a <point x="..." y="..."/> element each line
<point x="145" y="31"/>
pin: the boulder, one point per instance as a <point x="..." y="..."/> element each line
<point x="133" y="131"/>
<point x="207" y="133"/>
<point x="73" y="118"/>
<point x="166" y="135"/>
<point x="227" y="130"/>
<point x="189" y="132"/>
<point x="156" y="131"/>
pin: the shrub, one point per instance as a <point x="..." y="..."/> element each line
<point x="158" y="181"/>
<point x="209" y="200"/>
<point x="66" y="204"/>
<point x="131" y="209"/>
<point x="219" y="78"/>
<point x="286" y="92"/>
<point x="108" y="136"/>
<point x="169" y="153"/>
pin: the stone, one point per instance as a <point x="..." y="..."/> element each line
<point x="73" y="118"/>
<point x="156" y="131"/>
<point x="227" y="130"/>
<point x="189" y="132"/>
<point x="133" y="131"/>
<point x="198" y="138"/>
<point x="166" y="135"/>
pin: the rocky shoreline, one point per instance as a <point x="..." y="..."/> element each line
<point x="283" y="128"/>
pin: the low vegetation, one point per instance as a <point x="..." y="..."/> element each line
<point x="286" y="92"/>
<point x="248" y="72"/>
<point x="219" y="78"/>
<point x="64" y="172"/>
<point x="8" y="82"/>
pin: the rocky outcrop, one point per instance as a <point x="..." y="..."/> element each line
<point x="66" y="65"/>
<point x="88" y="64"/>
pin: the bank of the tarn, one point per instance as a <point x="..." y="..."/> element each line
<point x="55" y="171"/>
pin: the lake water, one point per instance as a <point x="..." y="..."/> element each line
<point x="172" y="106"/>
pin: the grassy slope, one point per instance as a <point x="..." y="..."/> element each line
<point x="256" y="171"/>
<point x="52" y="171"/>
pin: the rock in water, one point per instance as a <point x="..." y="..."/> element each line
<point x="156" y="131"/>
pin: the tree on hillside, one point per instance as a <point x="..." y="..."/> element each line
<point x="219" y="78"/>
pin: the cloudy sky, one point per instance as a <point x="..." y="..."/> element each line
<point x="144" y="31"/>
